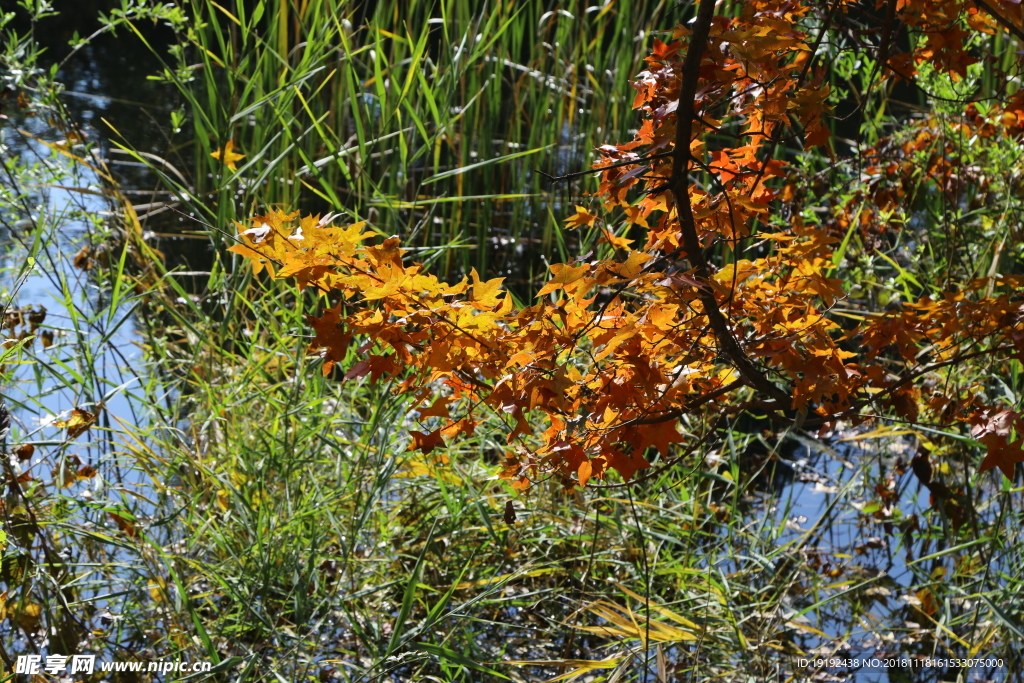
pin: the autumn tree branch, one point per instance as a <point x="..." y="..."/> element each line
<point x="887" y="31"/>
<point x="598" y="169"/>
<point x="1006" y="23"/>
<point x="679" y="184"/>
<point x="908" y="379"/>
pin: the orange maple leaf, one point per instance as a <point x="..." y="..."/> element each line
<point x="659" y="435"/>
<point x="1002" y="454"/>
<point x="438" y="409"/>
<point x="331" y="336"/>
<point x="424" y="442"/>
<point x="626" y="465"/>
<point x="584" y="472"/>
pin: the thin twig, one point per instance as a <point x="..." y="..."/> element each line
<point x="579" y="174"/>
<point x="1007" y="24"/>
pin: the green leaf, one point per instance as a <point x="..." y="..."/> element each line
<point x="14" y="349"/>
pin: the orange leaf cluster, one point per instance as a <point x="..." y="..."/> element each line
<point x="597" y="373"/>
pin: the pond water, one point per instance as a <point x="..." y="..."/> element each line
<point x="87" y="357"/>
<point x="860" y="526"/>
<point x="61" y="377"/>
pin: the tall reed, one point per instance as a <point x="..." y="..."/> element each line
<point x="427" y="118"/>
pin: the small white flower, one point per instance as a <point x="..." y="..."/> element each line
<point x="326" y="220"/>
<point x="259" y="233"/>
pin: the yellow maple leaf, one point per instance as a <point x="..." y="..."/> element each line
<point x="485" y="294"/>
<point x="581" y="217"/>
<point x="565" y="277"/>
<point x="79" y="422"/>
<point x="228" y="155"/>
<point x="614" y="240"/>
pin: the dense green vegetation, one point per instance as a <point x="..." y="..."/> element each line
<point x="229" y="505"/>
